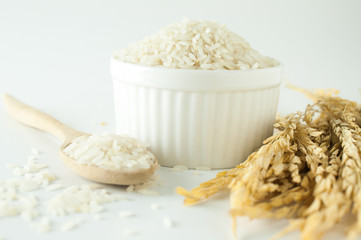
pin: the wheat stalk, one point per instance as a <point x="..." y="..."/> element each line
<point x="309" y="171"/>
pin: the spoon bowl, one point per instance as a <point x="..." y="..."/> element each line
<point x="40" y="120"/>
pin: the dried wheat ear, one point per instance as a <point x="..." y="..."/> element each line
<point x="309" y="171"/>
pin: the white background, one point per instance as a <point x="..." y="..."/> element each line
<point x="55" y="55"/>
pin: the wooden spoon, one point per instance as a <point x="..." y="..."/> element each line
<point x="37" y="119"/>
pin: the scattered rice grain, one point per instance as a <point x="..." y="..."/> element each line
<point x="12" y="165"/>
<point x="179" y="168"/>
<point x="70" y="225"/>
<point x="54" y="187"/>
<point x="35" y="151"/>
<point x="155" y="206"/>
<point x="42" y="226"/>
<point x="126" y="214"/>
<point x="203" y="168"/>
<point x="130" y="232"/>
<point x="97" y="217"/>
<point x="167" y="222"/>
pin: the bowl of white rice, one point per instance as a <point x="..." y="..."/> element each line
<point x="197" y="93"/>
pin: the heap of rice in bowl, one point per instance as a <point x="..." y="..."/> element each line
<point x="190" y="44"/>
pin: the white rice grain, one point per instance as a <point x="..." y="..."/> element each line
<point x="155" y="206"/>
<point x="35" y="151"/>
<point x="130" y="232"/>
<point x="203" y="168"/>
<point x="42" y="226"/>
<point x="54" y="187"/>
<point x="70" y="225"/>
<point x="77" y="199"/>
<point x="179" y="168"/>
<point x="126" y="214"/>
<point x="7" y="210"/>
<point x="12" y="165"/>
<point x="167" y="222"/>
<point x="194" y="44"/>
<point x="111" y="151"/>
<point x="29" y="214"/>
<point x="97" y="217"/>
<point x="148" y="192"/>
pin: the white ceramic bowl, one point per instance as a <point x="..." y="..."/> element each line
<point x="212" y="118"/>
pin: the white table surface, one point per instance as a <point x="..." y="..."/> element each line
<point x="55" y="55"/>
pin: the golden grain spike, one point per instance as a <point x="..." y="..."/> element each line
<point x="310" y="170"/>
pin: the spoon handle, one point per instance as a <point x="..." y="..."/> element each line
<point x="35" y="118"/>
